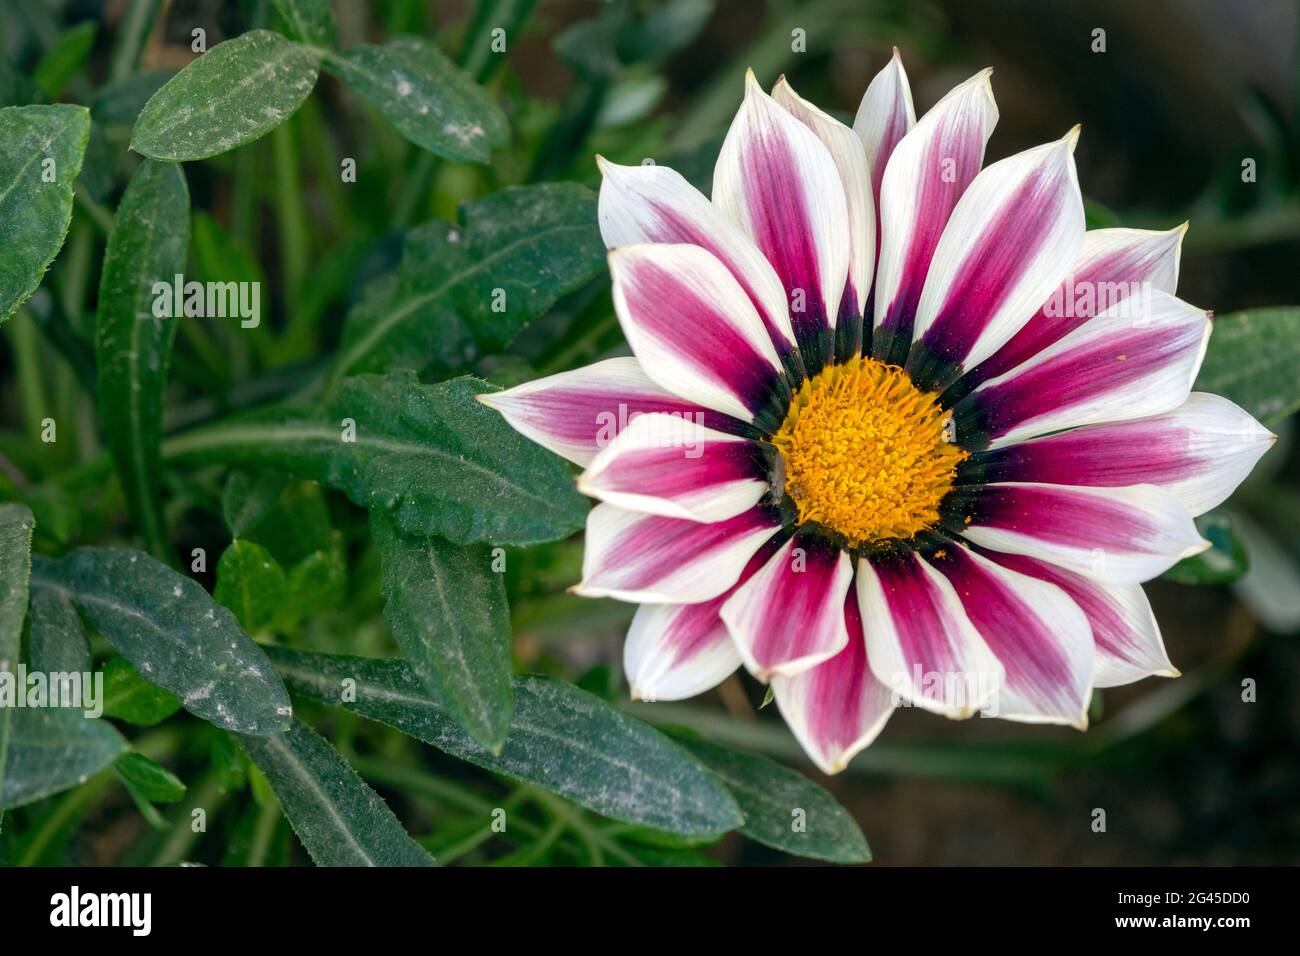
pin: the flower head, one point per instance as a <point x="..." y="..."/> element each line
<point x="898" y="430"/>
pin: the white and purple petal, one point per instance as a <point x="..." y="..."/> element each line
<point x="851" y="162"/>
<point x="1124" y="629"/>
<point x="657" y="560"/>
<point x="670" y="465"/>
<point x="693" y="328"/>
<point x="1035" y="629"/>
<point x="838" y="707"/>
<point x="778" y="182"/>
<point x="576" y="414"/>
<point x="919" y="641"/>
<point x="1201" y="452"/>
<point x="1113" y="265"/>
<point x="650" y="203"/>
<point x="790" y="615"/>
<point x="675" y="651"/>
<point x="884" y="117"/>
<point x="925" y="177"/>
<point x="1119" y="535"/>
<point x="1136" y="360"/>
<point x="1011" y="240"/>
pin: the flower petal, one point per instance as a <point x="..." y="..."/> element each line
<point x="776" y="180"/>
<point x="1009" y="243"/>
<point x="926" y="175"/>
<point x="885" y="116"/>
<point x="576" y="414"/>
<point x="1112" y="265"/>
<point x="919" y="640"/>
<point x="1124" y="629"/>
<point x="649" y="203"/>
<point x="657" y="560"/>
<point x="675" y="651"/>
<point x="1137" y="359"/>
<point x="790" y="615"/>
<point x="851" y="162"/>
<point x="838" y="707"/>
<point x="693" y="328"/>
<point x="1120" y="535"/>
<point x="1038" y="633"/>
<point x="1199" y="452"/>
<point x="670" y="465"/>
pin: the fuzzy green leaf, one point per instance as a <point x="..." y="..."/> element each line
<point x="251" y="583"/>
<point x="309" y="21"/>
<point x="439" y="460"/>
<point x="172" y="631"/>
<point x="52" y="749"/>
<point x="340" y="820"/>
<point x="41" y="149"/>
<point x="129" y="697"/>
<point x="448" y="612"/>
<point x="427" y="97"/>
<point x="1254" y="359"/>
<point x="561" y="738"/>
<point x="235" y="93"/>
<point x="148" y="780"/>
<point x="464" y="290"/>
<point x="16" y="525"/>
<point x="784" y="809"/>
<point x="247" y="497"/>
<point x="57" y="640"/>
<point x="133" y="344"/>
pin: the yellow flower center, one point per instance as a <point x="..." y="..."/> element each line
<point x="867" y="454"/>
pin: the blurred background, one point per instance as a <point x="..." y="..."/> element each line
<point x="1175" y="96"/>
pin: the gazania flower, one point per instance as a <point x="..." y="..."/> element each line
<point x="897" y="429"/>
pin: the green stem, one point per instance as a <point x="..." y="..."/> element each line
<point x="294" y="243"/>
<point x="136" y="25"/>
<point x="27" y="361"/>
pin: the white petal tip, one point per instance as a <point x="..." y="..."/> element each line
<point x="487" y="398"/>
<point x="1071" y="138"/>
<point x="633" y="692"/>
<point x="751" y="82"/>
<point x="602" y="164"/>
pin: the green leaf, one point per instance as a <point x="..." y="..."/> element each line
<point x="427" y="97"/>
<point x="57" y="640"/>
<point x="129" y="697"/>
<point x="52" y="749"/>
<point x="440" y="461"/>
<point x="316" y="582"/>
<point x="16" y="524"/>
<point x="41" y="149"/>
<point x="464" y="290"/>
<point x="247" y="497"/>
<point x="340" y="820"/>
<point x="777" y="801"/>
<point x="133" y="344"/>
<point x="65" y="60"/>
<point x="235" y="93"/>
<point x="172" y="631"/>
<point x="448" y="612"/>
<point x="561" y="738"/>
<point x="1222" y="563"/>
<point x="1254" y="359"/>
<point x="309" y="21"/>
<point x="251" y="583"/>
<point x="148" y="780"/>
